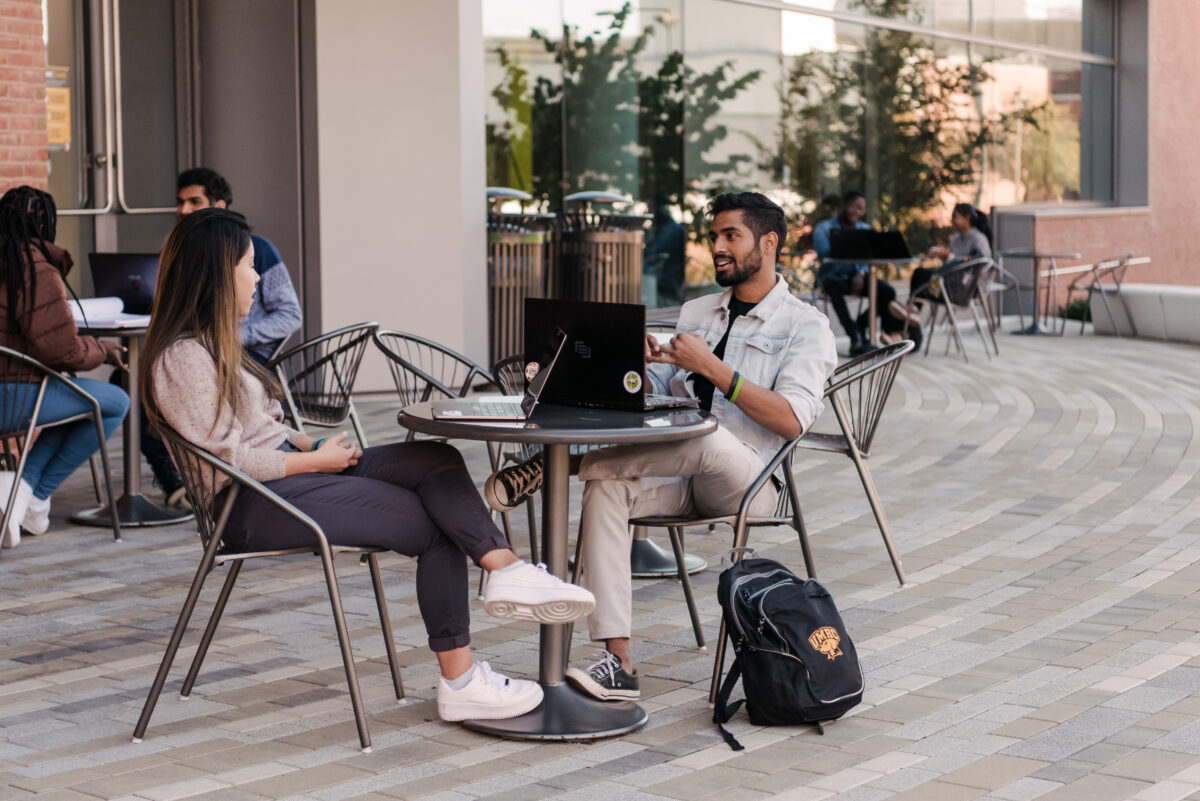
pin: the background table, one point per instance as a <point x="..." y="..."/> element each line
<point x="564" y="713"/>
<point x="873" y="335"/>
<point x="1036" y="256"/>
<point x="133" y="508"/>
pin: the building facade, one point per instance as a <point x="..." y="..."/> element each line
<point x="359" y="135"/>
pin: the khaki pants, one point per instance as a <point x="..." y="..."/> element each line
<point x="707" y="476"/>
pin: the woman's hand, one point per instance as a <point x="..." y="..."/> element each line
<point x="335" y="455"/>
<point x="939" y="252"/>
<point x="114" y="354"/>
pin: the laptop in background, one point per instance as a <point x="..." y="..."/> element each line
<point x="505" y="408"/>
<point x="866" y="244"/>
<point x="604" y="361"/>
<point x="128" y="276"/>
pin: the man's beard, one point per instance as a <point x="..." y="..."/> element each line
<point x="741" y="272"/>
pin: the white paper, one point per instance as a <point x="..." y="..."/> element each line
<point x="105" y="313"/>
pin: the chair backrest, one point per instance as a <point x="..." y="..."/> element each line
<point x="509" y="375"/>
<point x="319" y="374"/>
<point x="859" y="390"/>
<point x="960" y="281"/>
<point x="424" y="370"/>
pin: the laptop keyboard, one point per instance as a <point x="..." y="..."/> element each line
<point x="667" y="401"/>
<point x="493" y="409"/>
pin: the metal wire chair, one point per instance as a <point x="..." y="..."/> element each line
<point x="951" y="289"/>
<point x="425" y="370"/>
<point x="318" y="377"/>
<point x="23" y="383"/>
<point x="1093" y="282"/>
<point x="200" y="471"/>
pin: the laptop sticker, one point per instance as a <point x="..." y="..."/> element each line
<point x="531" y="370"/>
<point x="632" y="382"/>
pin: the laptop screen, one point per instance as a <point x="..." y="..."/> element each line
<point x="128" y="276"/>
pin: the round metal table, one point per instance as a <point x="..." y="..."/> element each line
<point x="1035" y="327"/>
<point x="133" y="508"/>
<point x="564" y="713"/>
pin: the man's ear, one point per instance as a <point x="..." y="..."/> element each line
<point x="770" y="241"/>
<point x="220" y="204"/>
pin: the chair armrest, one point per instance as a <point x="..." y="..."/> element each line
<point x="761" y="480"/>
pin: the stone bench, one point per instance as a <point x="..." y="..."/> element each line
<point x="1159" y="311"/>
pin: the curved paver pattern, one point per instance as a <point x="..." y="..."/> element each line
<point x="1046" y="504"/>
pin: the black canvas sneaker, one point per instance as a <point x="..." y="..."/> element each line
<point x="507" y="489"/>
<point x="605" y="679"/>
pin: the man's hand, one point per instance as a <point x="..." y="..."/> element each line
<point x="690" y="352"/>
<point x="335" y="454"/>
<point x="653" y="348"/>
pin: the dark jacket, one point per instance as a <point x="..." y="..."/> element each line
<point x="48" y="334"/>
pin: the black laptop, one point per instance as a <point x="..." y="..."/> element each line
<point x="128" y="276"/>
<point x="603" y="362"/>
<point x="505" y="408"/>
<point x="867" y="244"/>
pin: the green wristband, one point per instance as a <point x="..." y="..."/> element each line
<point x="319" y="442"/>
<point x="737" y="387"/>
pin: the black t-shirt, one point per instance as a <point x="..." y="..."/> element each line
<point x="704" y="388"/>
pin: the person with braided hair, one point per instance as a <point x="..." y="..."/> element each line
<point x="36" y="320"/>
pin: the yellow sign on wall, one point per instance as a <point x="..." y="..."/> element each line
<point x="58" y="117"/>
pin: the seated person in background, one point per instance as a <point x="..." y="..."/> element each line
<point x="276" y="313"/>
<point x="415" y="498"/>
<point x="36" y="320"/>
<point x="756" y="357"/>
<point x="839" y="280"/>
<point x="970" y="241"/>
<point x="274" y="317"/>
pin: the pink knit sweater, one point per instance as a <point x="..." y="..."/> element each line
<point x="185" y="387"/>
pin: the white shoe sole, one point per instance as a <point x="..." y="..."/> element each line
<point x="550" y="612"/>
<point x="584" y="682"/>
<point x="453" y="712"/>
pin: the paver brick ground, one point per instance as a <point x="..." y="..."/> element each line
<point x="1047" y="507"/>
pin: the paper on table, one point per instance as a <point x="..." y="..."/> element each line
<point x="105" y="313"/>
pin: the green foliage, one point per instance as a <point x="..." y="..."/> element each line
<point x="892" y="120"/>
<point x="621" y="129"/>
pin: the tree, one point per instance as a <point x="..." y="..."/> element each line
<point x="892" y="119"/>
<point x="608" y="125"/>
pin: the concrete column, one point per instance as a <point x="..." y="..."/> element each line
<point x="400" y="103"/>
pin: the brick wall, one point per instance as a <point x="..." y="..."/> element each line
<point x="1098" y="234"/>
<point x="22" y="95"/>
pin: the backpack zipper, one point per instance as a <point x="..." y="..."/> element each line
<point x="741" y="580"/>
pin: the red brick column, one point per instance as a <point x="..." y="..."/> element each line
<point x="22" y="95"/>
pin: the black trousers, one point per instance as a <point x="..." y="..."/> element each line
<point x="836" y="289"/>
<point x="414" y="498"/>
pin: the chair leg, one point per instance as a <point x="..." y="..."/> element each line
<point x="185" y="614"/>
<point x="534" y="550"/>
<point x="864" y="475"/>
<point x="933" y="318"/>
<point x="210" y="630"/>
<point x="958" y="340"/>
<point x="112" y="497"/>
<point x="810" y="566"/>
<point x="718" y="662"/>
<point x="96" y="479"/>
<point x="979" y="329"/>
<point x="676" y="534"/>
<point x="339" y="621"/>
<point x="385" y="622"/>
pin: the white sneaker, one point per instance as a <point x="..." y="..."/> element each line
<point x="530" y="592"/>
<point x="37" y="515"/>
<point x="11" y="537"/>
<point x="488" y="696"/>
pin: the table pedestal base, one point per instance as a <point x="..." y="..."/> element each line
<point x="648" y="559"/>
<point x="133" y="511"/>
<point x="566" y="714"/>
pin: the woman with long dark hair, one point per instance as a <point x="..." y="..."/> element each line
<point x="415" y="498"/>
<point x="36" y="320"/>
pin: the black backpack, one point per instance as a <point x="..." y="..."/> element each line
<point x="791" y="649"/>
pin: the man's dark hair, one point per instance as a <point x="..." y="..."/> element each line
<point x="762" y="215"/>
<point x="852" y="196"/>
<point x="215" y="187"/>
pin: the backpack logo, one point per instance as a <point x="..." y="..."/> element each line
<point x="826" y="640"/>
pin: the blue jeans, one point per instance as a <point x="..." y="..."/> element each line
<point x="59" y="450"/>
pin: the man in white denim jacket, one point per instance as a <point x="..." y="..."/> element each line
<point x="758" y="358"/>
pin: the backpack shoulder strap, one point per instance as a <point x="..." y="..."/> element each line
<point x="723" y="710"/>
